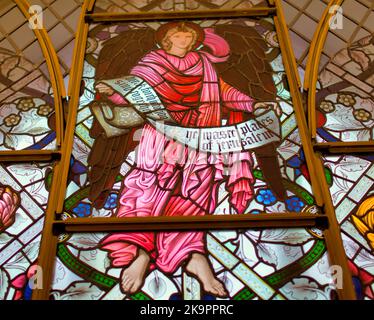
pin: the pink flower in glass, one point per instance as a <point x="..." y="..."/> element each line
<point x="9" y="202"/>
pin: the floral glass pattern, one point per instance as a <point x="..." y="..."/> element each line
<point x="24" y="191"/>
<point x="351" y="180"/>
<point x="27" y="117"/>
<point x="345" y="98"/>
<point x="280" y="264"/>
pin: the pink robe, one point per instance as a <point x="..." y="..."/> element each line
<point x="170" y="179"/>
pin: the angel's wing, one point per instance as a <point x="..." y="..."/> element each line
<point x="117" y="57"/>
<point x="249" y="70"/>
<point x="120" y="54"/>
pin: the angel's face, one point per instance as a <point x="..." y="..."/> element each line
<point x="181" y="40"/>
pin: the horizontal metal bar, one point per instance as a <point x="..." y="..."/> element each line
<point x="345" y="147"/>
<point x="29" y="155"/>
<point x="208" y="222"/>
<point x="180" y="15"/>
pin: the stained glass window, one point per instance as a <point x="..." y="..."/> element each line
<point x="344" y="103"/>
<point x="184" y="118"/>
<point x="351" y="181"/>
<point x="269" y="264"/>
<point x="345" y="99"/>
<point x="97" y="184"/>
<point x="24" y="191"/>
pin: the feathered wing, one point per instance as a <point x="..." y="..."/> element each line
<point x="117" y="57"/>
<point x="249" y="70"/>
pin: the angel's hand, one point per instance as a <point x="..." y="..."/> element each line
<point x="261" y="107"/>
<point x="104" y="89"/>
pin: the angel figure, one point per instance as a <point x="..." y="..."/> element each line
<point x="202" y="78"/>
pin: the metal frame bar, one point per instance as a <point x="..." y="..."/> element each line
<point x="292" y="76"/>
<point x="53" y="69"/>
<point x="48" y="244"/>
<point x="29" y="155"/>
<point x="333" y="238"/>
<point x="312" y="67"/>
<point x="180" y="15"/>
<point x="47" y="251"/>
<point x="133" y="224"/>
<point x="345" y="147"/>
<point x="74" y="94"/>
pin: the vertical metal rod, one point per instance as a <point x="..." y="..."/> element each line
<point x="48" y="247"/>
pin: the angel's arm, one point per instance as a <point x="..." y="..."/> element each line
<point x="234" y="99"/>
<point x="116" y="98"/>
<point x="110" y="94"/>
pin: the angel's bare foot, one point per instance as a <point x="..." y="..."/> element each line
<point x="199" y="266"/>
<point x="132" y="277"/>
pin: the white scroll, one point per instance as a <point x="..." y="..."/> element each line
<point x="142" y="96"/>
<point x="247" y="135"/>
<point x="243" y="136"/>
